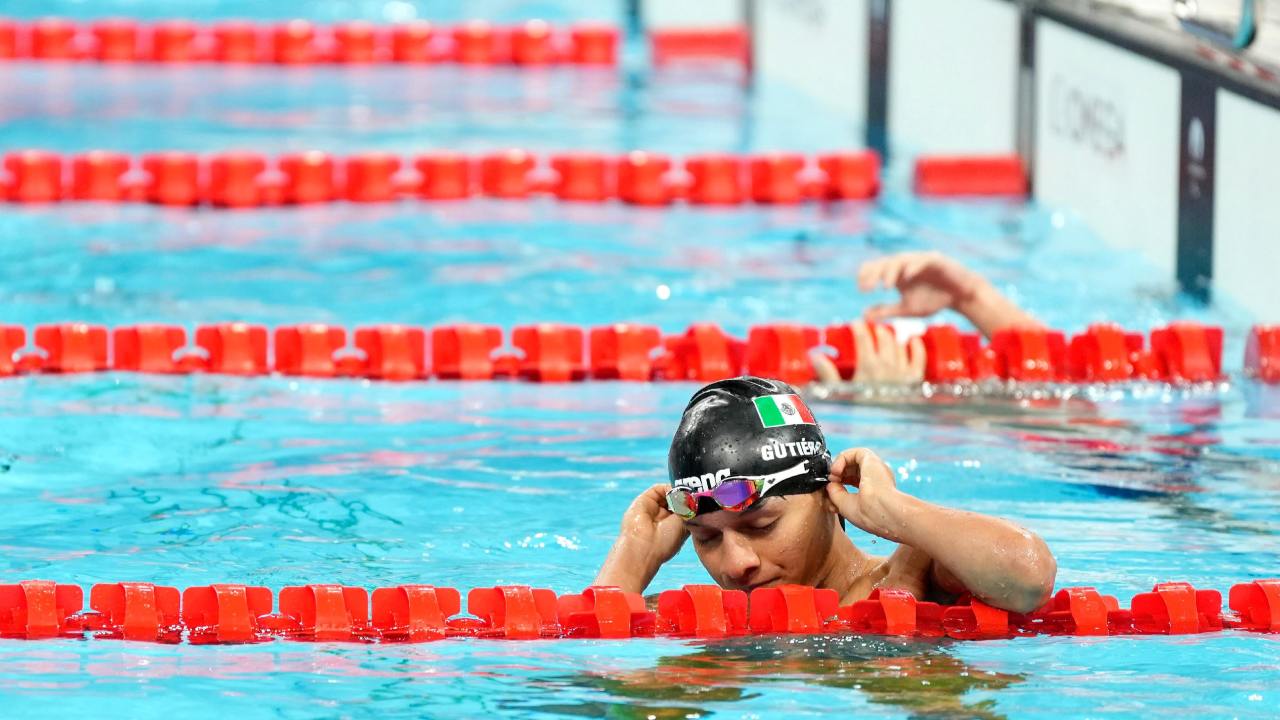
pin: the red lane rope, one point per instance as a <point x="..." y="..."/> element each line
<point x="225" y="613"/>
<point x="300" y="42"/>
<point x="245" y="179"/>
<point x="1179" y="353"/>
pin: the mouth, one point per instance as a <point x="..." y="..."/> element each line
<point x="767" y="583"/>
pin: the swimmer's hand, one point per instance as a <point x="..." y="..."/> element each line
<point x="880" y="358"/>
<point x="650" y="536"/>
<point x="998" y="562"/>
<point x="929" y="282"/>
<point x="873" y="507"/>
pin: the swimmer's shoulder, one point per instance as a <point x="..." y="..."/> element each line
<point x="914" y="571"/>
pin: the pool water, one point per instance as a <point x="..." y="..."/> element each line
<point x="193" y="480"/>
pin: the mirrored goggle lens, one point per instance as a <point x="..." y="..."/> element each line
<point x="681" y="502"/>
<point x="734" y="493"/>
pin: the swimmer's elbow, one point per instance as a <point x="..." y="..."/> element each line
<point x="1036" y="571"/>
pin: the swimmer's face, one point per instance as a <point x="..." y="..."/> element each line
<point x="779" y="540"/>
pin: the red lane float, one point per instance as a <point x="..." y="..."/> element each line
<point x="952" y="176"/>
<point x="8" y="39"/>
<point x="682" y="45"/>
<point x="225" y="614"/>
<point x="552" y="353"/>
<point x="704" y="353"/>
<point x="444" y="176"/>
<point x="1072" y="611"/>
<point x="782" y="351"/>
<point x="1106" y="353"/>
<point x="514" y="612"/>
<point x="775" y="179"/>
<point x="230" y="613"/>
<point x="244" y="179"/>
<point x="135" y="611"/>
<point x="309" y="177"/>
<point x="115" y="40"/>
<point x="151" y="349"/>
<point x="475" y="43"/>
<point x="308" y="350"/>
<point x="411" y="42"/>
<point x="1030" y="355"/>
<point x="326" y="613"/>
<point x="1182" y="353"/>
<point x="593" y="44"/>
<point x="466" y="352"/>
<point x="39" y="609"/>
<point x="624" y="352"/>
<point x="35" y="176"/>
<point x="1262" y="353"/>
<point x="173" y="178"/>
<point x="236" y="42"/>
<point x="715" y="179"/>
<point x="506" y="174"/>
<point x="392" y="352"/>
<point x="235" y="180"/>
<point x="300" y="42"/>
<point x="702" y="611"/>
<point x="794" y="609"/>
<point x="643" y="179"/>
<point x="977" y="621"/>
<point x="952" y="356"/>
<point x="72" y="347"/>
<point x="370" y="178"/>
<point x="12" y="339"/>
<point x="1257" y="605"/>
<point x="582" y="177"/>
<point x="894" y="612"/>
<point x="234" y="348"/>
<point x="532" y="44"/>
<point x="850" y="175"/>
<point x="99" y="175"/>
<point x="53" y="39"/>
<point x="173" y="41"/>
<point x="605" y="612"/>
<point x="414" y="613"/>
<point x="1188" y="352"/>
<point x="1176" y="608"/>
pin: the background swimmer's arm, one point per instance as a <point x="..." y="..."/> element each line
<point x="1000" y="563"/>
<point x="650" y="535"/>
<point x="929" y="282"/>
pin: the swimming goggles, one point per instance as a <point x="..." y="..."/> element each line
<point x="734" y="494"/>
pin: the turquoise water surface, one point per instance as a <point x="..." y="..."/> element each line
<point x="193" y="480"/>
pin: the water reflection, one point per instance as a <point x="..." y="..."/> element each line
<point x="921" y="678"/>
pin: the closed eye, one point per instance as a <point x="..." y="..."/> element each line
<point x="705" y="538"/>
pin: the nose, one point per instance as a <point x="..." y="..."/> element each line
<point x="740" y="560"/>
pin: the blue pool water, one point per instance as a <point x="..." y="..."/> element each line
<point x="188" y="481"/>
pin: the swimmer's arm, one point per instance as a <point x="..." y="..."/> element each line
<point x="928" y="282"/>
<point x="1000" y="563"/>
<point x="628" y="566"/>
<point x="997" y="561"/>
<point x="650" y="535"/>
<point x="990" y="311"/>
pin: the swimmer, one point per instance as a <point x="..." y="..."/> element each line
<point x="927" y="283"/>
<point x="753" y="484"/>
<point x="765" y="503"/>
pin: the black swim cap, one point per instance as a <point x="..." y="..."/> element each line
<point x="747" y="426"/>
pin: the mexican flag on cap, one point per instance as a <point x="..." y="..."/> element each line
<point x="779" y="410"/>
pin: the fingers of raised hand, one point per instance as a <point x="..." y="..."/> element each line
<point x="915" y="359"/>
<point x="824" y="369"/>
